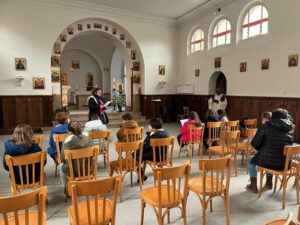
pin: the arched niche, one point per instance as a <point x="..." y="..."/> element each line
<point x="217" y="80"/>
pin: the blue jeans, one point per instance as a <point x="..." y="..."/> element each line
<point x="252" y="168"/>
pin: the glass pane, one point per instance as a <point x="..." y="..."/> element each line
<point x="246" y="19"/>
<point x="202" y="46"/>
<point x="221" y="40"/>
<point x="228" y="25"/>
<point x="228" y="38"/>
<point x="255" y="13"/>
<point x="202" y="34"/>
<point x="265" y="13"/>
<point x="193" y="38"/>
<point x="254" y="30"/>
<point x="215" y="30"/>
<point x="192" y="48"/>
<point x="197" y="47"/>
<point x="197" y="35"/>
<point x="214" y="42"/>
<point x="264" y="29"/>
<point x="222" y="26"/>
<point x="245" y="33"/>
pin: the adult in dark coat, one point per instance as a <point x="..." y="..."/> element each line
<point x="269" y="142"/>
<point x="96" y="105"/>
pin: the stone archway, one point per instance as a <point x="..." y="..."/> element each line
<point x="121" y="39"/>
<point x="217" y="80"/>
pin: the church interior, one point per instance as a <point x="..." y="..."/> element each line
<point x="159" y="62"/>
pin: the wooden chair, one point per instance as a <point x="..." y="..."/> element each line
<point x="26" y="166"/>
<point x="229" y="144"/>
<point x="100" y="209"/>
<point x="246" y="147"/>
<point x="196" y="138"/>
<point x="250" y="123"/>
<point x="58" y="138"/>
<point x="129" y="161"/>
<point x="287" y="221"/>
<point x="133" y="134"/>
<point x="39" y="139"/>
<point x="213" y="183"/>
<point x="231" y="125"/>
<point x="186" y="112"/>
<point x="162" y="149"/>
<point x="82" y="165"/>
<point x="291" y="169"/>
<point x="214" y="130"/>
<point x="14" y="204"/>
<point x="167" y="193"/>
<point x="104" y="140"/>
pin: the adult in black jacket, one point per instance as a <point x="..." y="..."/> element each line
<point x="96" y="105"/>
<point x="269" y="142"/>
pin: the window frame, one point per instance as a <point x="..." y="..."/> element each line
<point x="193" y="43"/>
<point x="223" y="33"/>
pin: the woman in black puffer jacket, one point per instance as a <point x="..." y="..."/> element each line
<point x="269" y="142"/>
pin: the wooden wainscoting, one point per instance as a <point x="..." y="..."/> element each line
<point x="36" y="111"/>
<point x="238" y="107"/>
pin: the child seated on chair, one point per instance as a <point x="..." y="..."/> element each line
<point x="22" y="144"/>
<point x="94" y="125"/>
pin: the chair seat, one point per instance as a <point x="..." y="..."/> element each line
<point x="33" y="219"/>
<point x="279" y="222"/>
<point x="243" y="147"/>
<point x="218" y="150"/>
<point x="195" y="185"/>
<point x="150" y="195"/>
<point x="83" y="213"/>
<point x="115" y="165"/>
<point x="279" y="172"/>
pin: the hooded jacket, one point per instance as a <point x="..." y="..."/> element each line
<point x="59" y="129"/>
<point x="269" y="142"/>
<point x="128" y="124"/>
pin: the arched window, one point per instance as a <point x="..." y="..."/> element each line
<point x="256" y="22"/>
<point x="222" y="33"/>
<point x="197" y="41"/>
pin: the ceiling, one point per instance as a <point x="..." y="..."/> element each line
<point x="165" y="8"/>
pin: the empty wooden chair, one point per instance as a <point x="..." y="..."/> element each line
<point x="10" y="207"/>
<point x="196" y="138"/>
<point x="287" y="221"/>
<point x="133" y="134"/>
<point x="214" y="182"/>
<point x="168" y="192"/>
<point x="214" y="130"/>
<point x="97" y="210"/>
<point x="104" y="140"/>
<point x="59" y="138"/>
<point x="291" y="169"/>
<point x="250" y="123"/>
<point x="82" y="165"/>
<point x="39" y="139"/>
<point x="30" y="170"/>
<point x="231" y="125"/>
<point x="162" y="149"/>
<point x="129" y="161"/>
<point x="229" y="144"/>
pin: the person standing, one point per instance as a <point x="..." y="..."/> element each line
<point x="218" y="101"/>
<point x="96" y="105"/>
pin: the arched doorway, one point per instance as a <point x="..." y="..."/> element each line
<point x="95" y="42"/>
<point x="217" y="80"/>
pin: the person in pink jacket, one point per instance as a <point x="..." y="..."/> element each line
<point x="184" y="135"/>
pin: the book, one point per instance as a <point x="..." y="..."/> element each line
<point x="183" y="121"/>
<point x="107" y="103"/>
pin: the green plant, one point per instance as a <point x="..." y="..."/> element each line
<point x="119" y="100"/>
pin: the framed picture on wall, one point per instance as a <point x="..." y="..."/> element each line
<point x="128" y="44"/>
<point x="218" y="61"/>
<point x="88" y="26"/>
<point x="63" y="38"/>
<point x="243" y="66"/>
<point x="20" y="64"/>
<point x="122" y="37"/>
<point x="114" y="31"/>
<point x="57" y="48"/>
<point x="70" y="30"/>
<point x="79" y="27"/>
<point x="197" y="72"/>
<point x="54" y="76"/>
<point x="133" y="54"/>
<point x="136" y="66"/>
<point x="137" y="78"/>
<point x="98" y="25"/>
<point x="63" y="78"/>
<point x="161" y="69"/>
<point x="54" y="61"/>
<point x="106" y="28"/>
<point x="75" y="64"/>
<point x="265" y="63"/>
<point x="89" y="81"/>
<point x="293" y="60"/>
<point x="38" y="82"/>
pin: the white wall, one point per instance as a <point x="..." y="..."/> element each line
<point x="29" y="29"/>
<point x="117" y="68"/>
<point x="282" y="40"/>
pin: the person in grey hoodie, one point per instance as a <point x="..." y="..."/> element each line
<point x="74" y="142"/>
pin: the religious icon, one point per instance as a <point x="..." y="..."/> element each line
<point x="122" y="37"/>
<point x="79" y="27"/>
<point x="63" y="78"/>
<point x="114" y="31"/>
<point x="88" y="26"/>
<point x="57" y="48"/>
<point x="265" y="64"/>
<point x="20" y="63"/>
<point x="293" y="60"/>
<point x="55" y="61"/>
<point x="54" y="76"/>
<point x="75" y="65"/>
<point x="243" y="66"/>
<point x="161" y="69"/>
<point x="98" y="25"/>
<point x="63" y="38"/>
<point x="106" y="28"/>
<point x="128" y="44"/>
<point x="133" y="54"/>
<point x="137" y="78"/>
<point x="197" y="72"/>
<point x="136" y="66"/>
<point x="70" y="30"/>
<point x="38" y="82"/>
<point x="89" y="81"/>
<point x="218" y="62"/>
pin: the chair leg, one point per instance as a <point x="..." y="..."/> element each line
<point x="284" y="181"/>
<point x="180" y="145"/>
<point x="297" y="186"/>
<point x="235" y="162"/>
<point x="55" y="171"/>
<point x="104" y="159"/>
<point x="184" y="212"/>
<point x="275" y="185"/>
<point x="168" y="216"/>
<point x="131" y="180"/>
<point x="243" y="158"/>
<point x="261" y="175"/>
<point x="204" y="214"/>
<point x="142" y="211"/>
<point x="108" y="164"/>
<point x="66" y="194"/>
<point x="227" y="209"/>
<point x="211" y="205"/>
<point x="121" y="189"/>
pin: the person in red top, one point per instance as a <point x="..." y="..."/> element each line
<point x="184" y="135"/>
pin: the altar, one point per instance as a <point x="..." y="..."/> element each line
<point x="80" y="98"/>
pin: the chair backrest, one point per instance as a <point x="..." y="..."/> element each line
<point x="250" y="133"/>
<point x="14" y="204"/>
<point x="129" y="154"/>
<point x="99" y="189"/>
<point x="196" y="133"/>
<point x="39" y="139"/>
<point x="217" y="173"/>
<point x="232" y="125"/>
<point x="292" y="161"/>
<point x="104" y="139"/>
<point x="250" y="123"/>
<point x="162" y="149"/>
<point x="82" y="162"/>
<point x="172" y="178"/>
<point x="214" y="129"/>
<point x="59" y="138"/>
<point x="229" y="142"/>
<point x="186" y="111"/>
<point x="27" y="167"/>
<point x="133" y="134"/>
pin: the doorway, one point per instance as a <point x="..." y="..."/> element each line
<point x="217" y="80"/>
